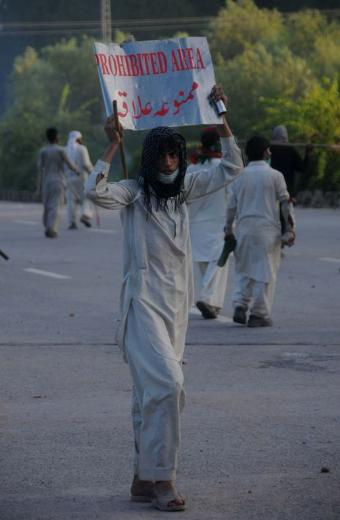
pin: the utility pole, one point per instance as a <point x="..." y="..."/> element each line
<point x="107" y="38"/>
<point x="106" y="21"/>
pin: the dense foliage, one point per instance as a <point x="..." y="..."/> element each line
<point x="282" y="70"/>
<point x="56" y="87"/>
<point x="275" y="69"/>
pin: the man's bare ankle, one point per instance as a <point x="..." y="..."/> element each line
<point x="141" y="483"/>
<point x="142" y="490"/>
<point x="164" y="485"/>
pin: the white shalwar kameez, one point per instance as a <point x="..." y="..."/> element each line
<point x="207" y="218"/>
<point x="254" y="197"/>
<point x="79" y="154"/>
<point x="155" y="301"/>
<point x="52" y="160"/>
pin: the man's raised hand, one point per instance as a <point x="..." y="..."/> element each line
<point x="114" y="135"/>
<point x="217" y="94"/>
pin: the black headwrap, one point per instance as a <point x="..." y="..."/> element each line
<point x="157" y="142"/>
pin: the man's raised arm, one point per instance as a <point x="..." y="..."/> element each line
<point x="206" y="181"/>
<point x="108" y="195"/>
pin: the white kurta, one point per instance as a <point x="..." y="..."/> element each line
<point x="51" y="162"/>
<point x="155" y="299"/>
<point x="207" y="218"/>
<point x="75" y="184"/>
<point x="255" y="197"/>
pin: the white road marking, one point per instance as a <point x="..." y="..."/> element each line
<point x="27" y="222"/>
<point x="301" y="355"/>
<point x="97" y="230"/>
<point x="93" y="230"/>
<point x="327" y="259"/>
<point x="47" y="273"/>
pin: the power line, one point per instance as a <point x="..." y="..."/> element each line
<point x="95" y="26"/>
<point x="124" y="21"/>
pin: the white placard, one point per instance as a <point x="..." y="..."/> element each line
<point x="157" y="82"/>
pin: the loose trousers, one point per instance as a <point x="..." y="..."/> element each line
<point x="74" y="195"/>
<point x="253" y="295"/>
<point x="210" y="282"/>
<point x="158" y="399"/>
<point x="53" y="200"/>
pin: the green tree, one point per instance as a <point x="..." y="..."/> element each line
<point x="314" y="117"/>
<point x="281" y="71"/>
<point x="302" y="29"/>
<point x="255" y="74"/>
<point x="315" y="114"/>
<point x="58" y="87"/>
<point x="325" y="59"/>
<point x="275" y="70"/>
<point x="239" y="26"/>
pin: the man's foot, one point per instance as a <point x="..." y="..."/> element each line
<point x="73" y="225"/>
<point x="208" y="311"/>
<point x="288" y="239"/>
<point x="259" y="321"/>
<point x="142" y="490"/>
<point x="50" y="233"/>
<point x="167" y="497"/>
<point x="86" y="221"/>
<point x="240" y="315"/>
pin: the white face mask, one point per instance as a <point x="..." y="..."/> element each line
<point x="167" y="178"/>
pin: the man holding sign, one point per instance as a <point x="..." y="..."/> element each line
<point x="157" y="290"/>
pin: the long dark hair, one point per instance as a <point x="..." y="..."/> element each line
<point x="157" y="142"/>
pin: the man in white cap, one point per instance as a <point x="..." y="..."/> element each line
<point x="78" y="154"/>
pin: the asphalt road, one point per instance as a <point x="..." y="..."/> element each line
<point x="260" y="432"/>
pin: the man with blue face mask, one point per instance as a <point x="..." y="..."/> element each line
<point x="157" y="291"/>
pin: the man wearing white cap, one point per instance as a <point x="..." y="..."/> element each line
<point x="78" y="153"/>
